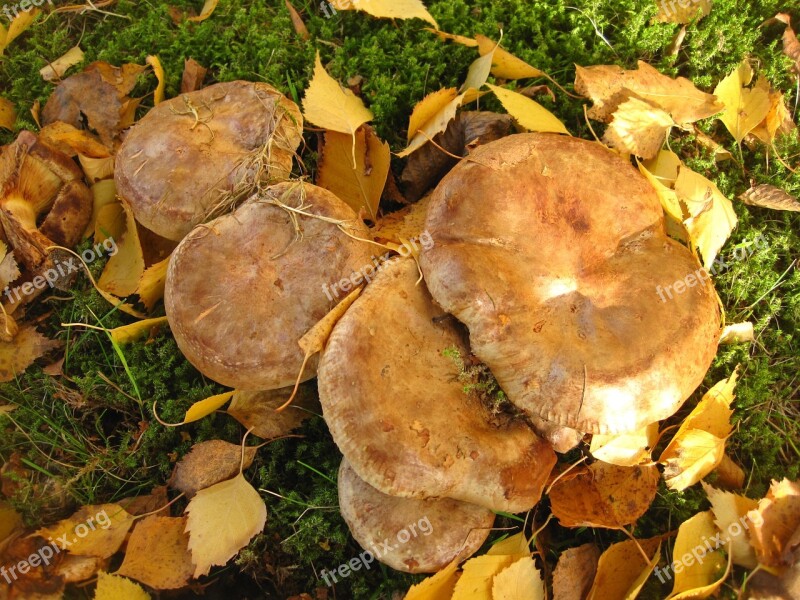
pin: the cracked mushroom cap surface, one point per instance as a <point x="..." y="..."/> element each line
<point x="415" y="536"/>
<point x="395" y="407"/>
<point x="244" y="288"/>
<point x="189" y="157"/>
<point x="552" y="251"/>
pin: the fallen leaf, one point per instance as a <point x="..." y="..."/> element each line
<point x="638" y="128"/>
<point x="331" y="106"/>
<point x="223" y="518"/>
<point x="360" y="185"/>
<point x="731" y="510"/>
<point x="608" y="86"/>
<point x="75" y="569"/>
<point x="104" y="192"/>
<point x="10" y="520"/>
<point x="257" y="410"/>
<point x="57" y="68"/>
<point x="478" y="574"/>
<point x="9" y="269"/>
<point x="737" y="333"/>
<point x="720" y="152"/>
<point x="791" y="45"/>
<point x="40" y="583"/>
<point x="778" y="119"/>
<point x="504" y="64"/>
<point x="297" y="21"/>
<point x="436" y="587"/>
<point x="770" y="196"/>
<point x="114" y="587"/>
<point x="152" y="284"/>
<point x="72" y="141"/>
<point x="775" y="535"/>
<point x="125" y="267"/>
<point x="627" y="449"/>
<point x="158" y="553"/>
<point x="520" y="581"/>
<point x="208" y="463"/>
<point x="208" y="8"/>
<point x="390" y="9"/>
<point x="622" y="570"/>
<point x="745" y="107"/>
<point x="136" y="331"/>
<point x="699" y="444"/>
<point x="681" y="11"/>
<point x="97" y="169"/>
<point x="193" y="75"/>
<point x="206" y="406"/>
<point x="158" y="71"/>
<point x="604" y="495"/>
<point x="575" y="572"/>
<point x="515" y="546"/>
<point x="156" y="500"/>
<point x="528" y="113"/>
<point x="459" y="39"/>
<point x="699" y="577"/>
<point x="21" y="22"/>
<point x="728" y="474"/>
<point x="19" y="354"/>
<point x="86" y="534"/>
<point x="8" y="114"/>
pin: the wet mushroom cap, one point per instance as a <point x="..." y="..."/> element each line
<point x="552" y="251"/>
<point x="392" y="400"/>
<point x="415" y="536"/>
<point x="180" y="164"/>
<point x="244" y="288"/>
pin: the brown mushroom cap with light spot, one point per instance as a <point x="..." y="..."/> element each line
<point x="394" y="405"/>
<point x="415" y="536"/>
<point x="187" y="158"/>
<point x="552" y="251"/>
<point x="244" y="288"/>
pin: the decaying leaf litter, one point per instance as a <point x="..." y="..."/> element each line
<point x="322" y="242"/>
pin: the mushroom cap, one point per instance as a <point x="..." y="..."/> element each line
<point x="394" y="405"/>
<point x="551" y="250"/>
<point x="187" y="155"/>
<point x="244" y="288"/>
<point x="397" y="531"/>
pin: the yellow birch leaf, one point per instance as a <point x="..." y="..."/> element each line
<point x="504" y="64"/>
<point x="135" y="331"/>
<point x="152" y="284"/>
<point x="97" y="169"/>
<point x="124" y="269"/>
<point x="206" y="406"/>
<point x="57" y="68"/>
<point x="776" y="526"/>
<point x="713" y="412"/>
<point x="622" y="570"/>
<point x="682" y="12"/>
<point x="360" y="185"/>
<point x="158" y="553"/>
<point x="475" y="582"/>
<point x="745" y="107"/>
<point x="459" y="39"/>
<point x="431" y="117"/>
<point x="330" y="106"/>
<point x="390" y="9"/>
<point x="8" y="114"/>
<point x="104" y="192"/>
<point x="702" y="573"/>
<point x="669" y="199"/>
<point x="477" y="74"/>
<point x="21" y="22"/>
<point x="114" y="587"/>
<point x="627" y="449"/>
<point x="528" y="113"/>
<point x="158" y="71"/>
<point x="638" y="128"/>
<point x="515" y="545"/>
<point x="436" y="587"/>
<point x="95" y="530"/>
<point x="520" y="581"/>
<point x="731" y="509"/>
<point x="222" y="520"/>
<point x="206" y="11"/>
<point x="665" y="167"/>
<point x="18" y="354"/>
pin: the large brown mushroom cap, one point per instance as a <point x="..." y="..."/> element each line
<point x="415" y="536"/>
<point x="244" y="288"/>
<point x="187" y="156"/>
<point x="552" y="250"/>
<point x="395" y="407"/>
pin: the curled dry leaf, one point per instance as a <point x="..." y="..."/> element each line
<point x="731" y="518"/>
<point x="770" y="196"/>
<point x="575" y="572"/>
<point x="697" y="578"/>
<point x="193" y="75"/>
<point x="85" y="533"/>
<point x="775" y="535"/>
<point x="158" y="71"/>
<point x="208" y="8"/>
<point x="124" y="269"/>
<point x="208" y="463"/>
<point x="72" y="141"/>
<point x="297" y="21"/>
<point x="331" y="106"/>
<point x="57" y="68"/>
<point x="114" y="587"/>
<point x="604" y="495"/>
<point x="20" y="353"/>
<point x="223" y="518"/>
<point x="622" y="570"/>
<point x="791" y="45"/>
<point x="257" y="410"/>
<point x="206" y="406"/>
<point x="136" y="331"/>
<point x="158" y="553"/>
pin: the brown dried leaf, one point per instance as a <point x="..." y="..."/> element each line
<point x="604" y="495"/>
<point x="256" y="410"/>
<point x="791" y="45"/>
<point x="297" y="21"/>
<point x="72" y="141"/>
<point x="208" y="463"/>
<point x="575" y="572"/>
<point x="41" y="580"/>
<point x="140" y="505"/>
<point x="769" y="196"/>
<point x="158" y="553"/>
<point x="730" y="476"/>
<point x="193" y="75"/>
<point x="19" y="354"/>
<point x="775" y="535"/>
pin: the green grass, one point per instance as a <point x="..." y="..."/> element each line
<point x="87" y="437"/>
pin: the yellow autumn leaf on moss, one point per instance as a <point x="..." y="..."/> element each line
<point x="114" y="587"/>
<point x="681" y="11"/>
<point x="153" y="283"/>
<point x="222" y="520"/>
<point x="116" y="225"/>
<point x="389" y="9"/>
<point x="528" y="113"/>
<point x="8" y="114"/>
<point x="504" y="64"/>
<point x="57" y="68"/>
<point x="627" y="449"/>
<point x="206" y="406"/>
<point x="520" y="581"/>
<point x="622" y="570"/>
<point x="745" y="107"/>
<point x="698" y="578"/>
<point x="454" y="37"/>
<point x="638" y="128"/>
<point x="158" y="71"/>
<point x="699" y="444"/>
<point x="95" y="530"/>
<point x="330" y="106"/>
<point x="135" y="331"/>
<point x="21" y="22"/>
<point x="206" y="11"/>
<point x="730" y="516"/>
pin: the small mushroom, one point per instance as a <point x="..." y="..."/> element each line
<point x="244" y="288"/>
<point x="551" y="250"/>
<point x="415" y="536"/>
<point x="194" y="156"/>
<point x="392" y="400"/>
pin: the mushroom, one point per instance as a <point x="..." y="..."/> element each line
<point x="392" y="400"/>
<point x="244" y="288"/>
<point x="194" y="156"/>
<point x="415" y="536"/>
<point x="551" y="250"/>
